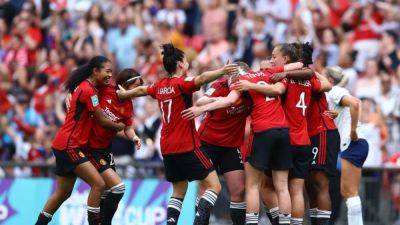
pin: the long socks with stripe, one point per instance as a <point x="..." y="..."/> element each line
<point x="251" y="218"/>
<point x="44" y="218"/>
<point x="204" y="208"/>
<point x="273" y="215"/>
<point x="94" y="215"/>
<point x="110" y="203"/>
<point x="284" y="218"/>
<point x="320" y="217"/>
<point x="296" y="221"/>
<point x="238" y="212"/>
<point x="174" y="210"/>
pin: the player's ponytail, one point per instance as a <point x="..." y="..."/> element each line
<point x="171" y="57"/>
<point x="306" y="53"/>
<point x="83" y="72"/>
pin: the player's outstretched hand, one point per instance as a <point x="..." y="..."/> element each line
<point x="121" y="92"/>
<point x="353" y="135"/>
<point x="278" y="77"/>
<point x="331" y="114"/>
<point x="230" y="68"/>
<point x="137" y="141"/>
<point x="191" y="113"/>
<point x="242" y="85"/>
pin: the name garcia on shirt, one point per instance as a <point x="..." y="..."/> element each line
<point x="166" y="91"/>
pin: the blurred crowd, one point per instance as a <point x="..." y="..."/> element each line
<point x="41" y="42"/>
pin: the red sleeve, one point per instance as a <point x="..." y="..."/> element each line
<point x="315" y="84"/>
<point x="129" y="120"/>
<point x="151" y="90"/>
<point x="284" y="82"/>
<point x="188" y="85"/>
<point x="90" y="99"/>
<point x="278" y="69"/>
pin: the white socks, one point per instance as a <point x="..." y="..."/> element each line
<point x="354" y="211"/>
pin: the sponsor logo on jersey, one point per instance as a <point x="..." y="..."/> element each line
<point x="210" y="91"/>
<point x="95" y="100"/>
<point x="103" y="162"/>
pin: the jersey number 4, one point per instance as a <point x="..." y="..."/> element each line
<point x="301" y="103"/>
<point x="166" y="113"/>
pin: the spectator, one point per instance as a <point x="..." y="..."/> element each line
<point x="172" y="15"/>
<point x="121" y="41"/>
<point x="369" y="84"/>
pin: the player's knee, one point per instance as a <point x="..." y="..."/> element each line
<point x="295" y="190"/>
<point x="347" y="191"/>
<point x="215" y="186"/>
<point x="237" y="193"/>
<point x="99" y="185"/>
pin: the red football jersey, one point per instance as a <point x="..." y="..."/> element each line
<point x="175" y="95"/>
<point x="317" y="121"/>
<point x="296" y="103"/>
<point x="225" y="127"/>
<point x="267" y="112"/>
<point x="75" y="131"/>
<point x="114" y="110"/>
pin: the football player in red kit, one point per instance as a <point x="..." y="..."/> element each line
<point x="180" y="144"/>
<point x="73" y="136"/>
<point x="98" y="149"/>
<point x="270" y="136"/>
<point x="296" y="98"/>
<point x="221" y="134"/>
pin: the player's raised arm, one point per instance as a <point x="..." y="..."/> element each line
<point x="136" y="92"/>
<point x="221" y="102"/>
<point x="268" y="90"/>
<point x="209" y="76"/>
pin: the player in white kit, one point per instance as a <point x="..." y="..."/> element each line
<point x="354" y="148"/>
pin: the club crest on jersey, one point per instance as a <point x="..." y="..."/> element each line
<point x="166" y="90"/>
<point x="210" y="91"/>
<point x="95" y="100"/>
<point x="103" y="162"/>
<point x="81" y="154"/>
<point x="189" y="78"/>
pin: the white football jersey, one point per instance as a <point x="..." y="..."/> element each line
<point x="343" y="120"/>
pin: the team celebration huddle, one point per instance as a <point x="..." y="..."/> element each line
<point x="275" y="135"/>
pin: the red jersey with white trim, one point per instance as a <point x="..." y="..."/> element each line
<point x="114" y="110"/>
<point x="267" y="112"/>
<point x="74" y="133"/>
<point x="317" y="121"/>
<point x="225" y="127"/>
<point x="296" y="102"/>
<point x="174" y="95"/>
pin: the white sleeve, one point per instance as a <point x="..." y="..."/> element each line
<point x="161" y="16"/>
<point x="336" y="94"/>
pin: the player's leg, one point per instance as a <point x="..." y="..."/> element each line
<point x="349" y="186"/>
<point x="296" y="186"/>
<point x="207" y="201"/>
<point x="231" y="166"/>
<point x="87" y="172"/>
<point x="235" y="183"/>
<point x="252" y="186"/>
<point x="64" y="189"/>
<point x="301" y="161"/>
<point x="323" y="158"/>
<point x="175" y="202"/>
<point x="269" y="198"/>
<point x="281" y="162"/>
<point x="352" y="160"/>
<point x="115" y="192"/>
